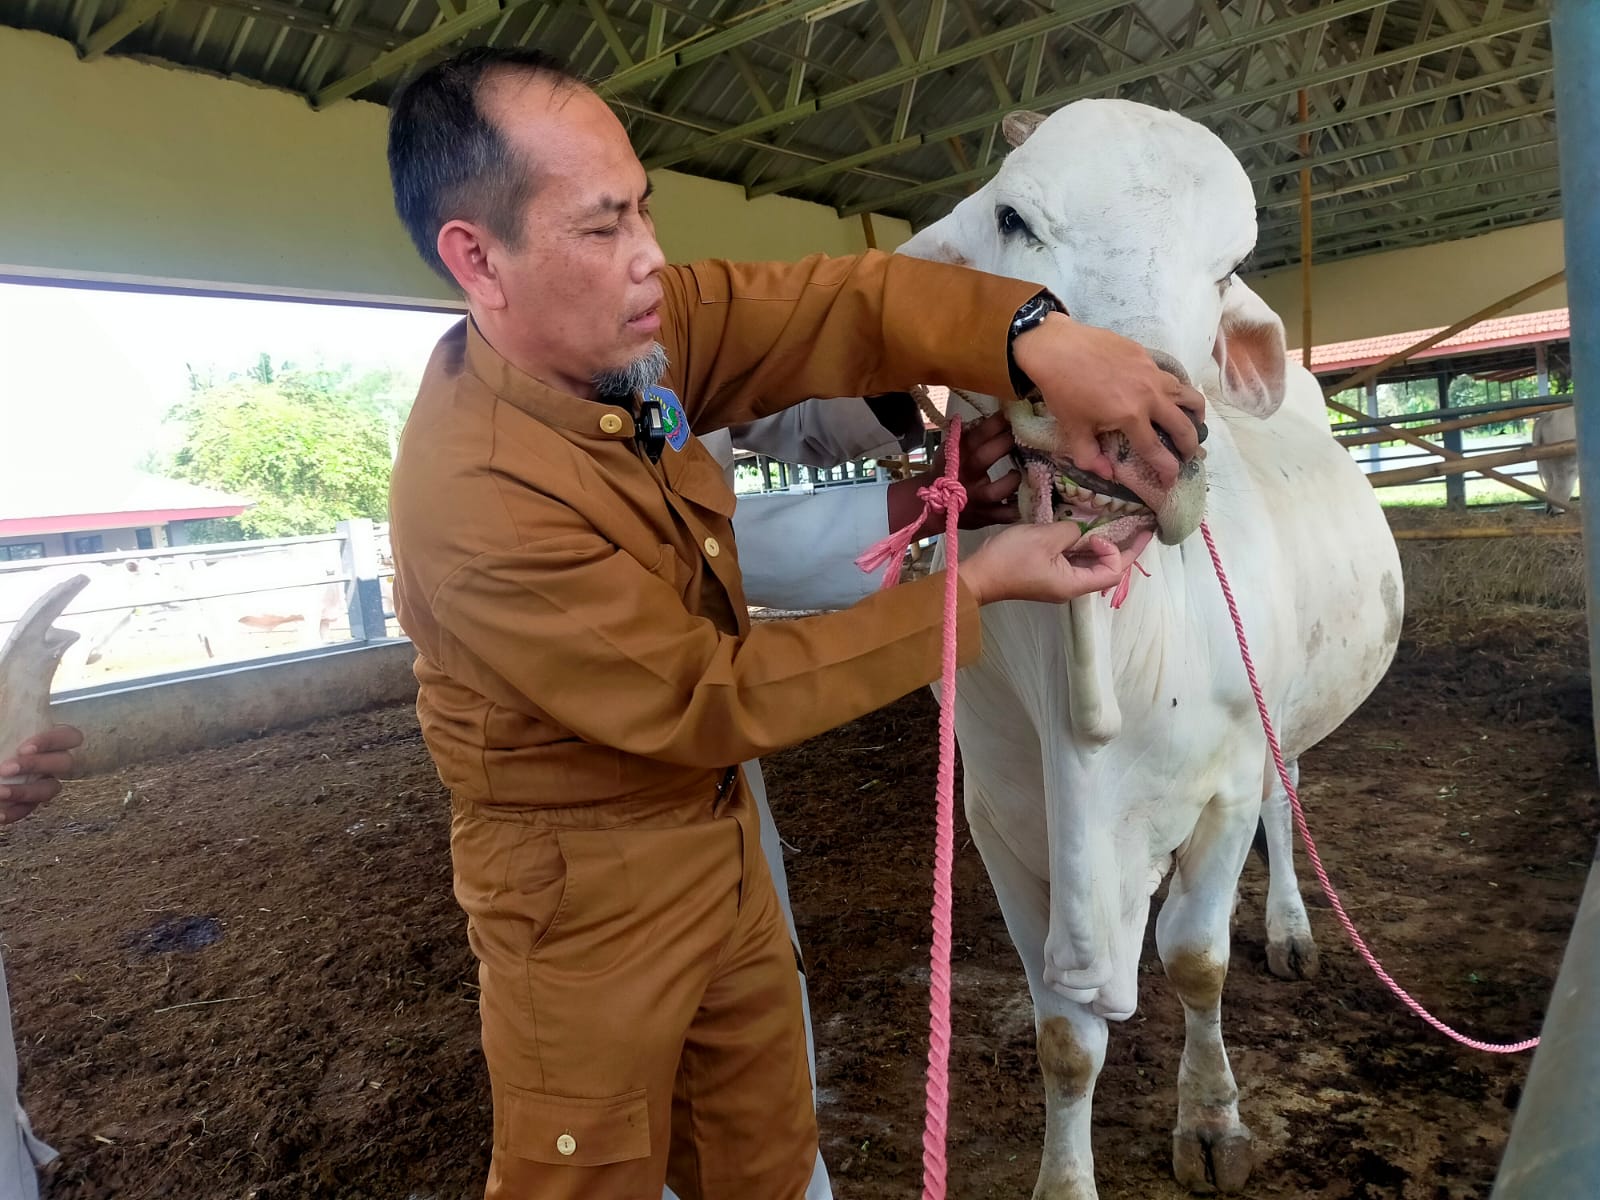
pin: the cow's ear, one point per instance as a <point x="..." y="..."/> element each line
<point x="1018" y="126"/>
<point x="1250" y="353"/>
<point x="936" y="244"/>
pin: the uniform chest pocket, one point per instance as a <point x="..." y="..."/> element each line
<point x="698" y="478"/>
<point x="671" y="569"/>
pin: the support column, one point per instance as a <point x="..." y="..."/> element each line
<point x="1374" y="451"/>
<point x="1455" y="486"/>
<point x="1555" y="1139"/>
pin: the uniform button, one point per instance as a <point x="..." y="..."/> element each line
<point x="713" y="547"/>
<point x="610" y="423"/>
<point x="564" y="1143"/>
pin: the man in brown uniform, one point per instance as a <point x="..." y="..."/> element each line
<point x="589" y="675"/>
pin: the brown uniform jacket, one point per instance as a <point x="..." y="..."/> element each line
<point x="580" y="627"/>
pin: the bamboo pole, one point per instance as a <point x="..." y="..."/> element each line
<point x="1499" y="306"/>
<point x="1487" y="531"/>
<point x="1460" y="466"/>
<point x="1402" y="435"/>
<point x="1305" y="238"/>
<point x="1495" y="418"/>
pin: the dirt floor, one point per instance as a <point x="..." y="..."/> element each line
<point x="241" y="973"/>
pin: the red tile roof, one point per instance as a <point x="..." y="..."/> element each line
<point x="37" y="501"/>
<point x="1524" y="330"/>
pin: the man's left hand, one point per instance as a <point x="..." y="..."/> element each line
<point x="46" y="758"/>
<point x="989" y="501"/>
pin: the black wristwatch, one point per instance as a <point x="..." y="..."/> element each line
<point x="1029" y="316"/>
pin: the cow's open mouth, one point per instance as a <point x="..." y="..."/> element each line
<point x="1086" y="494"/>
<point x="1107" y="509"/>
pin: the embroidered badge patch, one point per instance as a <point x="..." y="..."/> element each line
<point x="673" y="419"/>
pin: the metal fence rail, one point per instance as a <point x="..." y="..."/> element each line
<point x="353" y="559"/>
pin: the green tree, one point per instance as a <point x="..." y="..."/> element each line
<point x="311" y="446"/>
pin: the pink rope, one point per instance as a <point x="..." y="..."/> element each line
<point x="1311" y="846"/>
<point x="944" y="495"/>
<point x="948" y="496"/>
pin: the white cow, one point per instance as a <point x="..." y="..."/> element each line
<point x="1559" y="476"/>
<point x="1104" y="748"/>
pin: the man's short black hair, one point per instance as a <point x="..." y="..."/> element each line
<point x="447" y="161"/>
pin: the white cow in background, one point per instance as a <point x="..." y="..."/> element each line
<point x="1104" y="749"/>
<point x="1559" y="476"/>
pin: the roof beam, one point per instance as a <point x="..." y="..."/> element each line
<point x="1384" y="107"/>
<point x="1429" y="234"/>
<point x="608" y="30"/>
<point x="88" y="10"/>
<point x="418" y="48"/>
<point x="1487" y="62"/>
<point x="1384" y="145"/>
<point x="301" y="20"/>
<point x="991" y="68"/>
<point x="1210" y="109"/>
<point x="707" y="45"/>
<point x="1409" y="196"/>
<point x="644" y="110"/>
<point x="133" y="15"/>
<point x="978" y="174"/>
<point x="655" y="37"/>
<point x="1477" y="202"/>
<point x="954" y="56"/>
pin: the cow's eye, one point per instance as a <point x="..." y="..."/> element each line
<point x="1011" y="223"/>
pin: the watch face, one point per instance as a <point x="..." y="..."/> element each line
<point x="1030" y="314"/>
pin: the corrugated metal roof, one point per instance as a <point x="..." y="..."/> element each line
<point x="1429" y="119"/>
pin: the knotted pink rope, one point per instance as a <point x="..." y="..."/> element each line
<point x="948" y="496"/>
<point x="945" y="495"/>
<point x="1311" y="846"/>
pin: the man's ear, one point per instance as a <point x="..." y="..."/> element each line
<point x="467" y="253"/>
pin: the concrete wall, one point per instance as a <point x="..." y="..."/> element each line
<point x="124" y="170"/>
<point x="154" y="718"/>
<point x="1419" y="288"/>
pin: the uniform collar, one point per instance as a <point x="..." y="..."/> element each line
<point x="539" y="400"/>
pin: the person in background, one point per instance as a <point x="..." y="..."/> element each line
<point x="42" y="762"/>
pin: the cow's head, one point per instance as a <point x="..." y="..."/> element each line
<point x="1138" y="220"/>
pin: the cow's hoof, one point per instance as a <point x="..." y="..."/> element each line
<point x="1207" y="1163"/>
<point x="1295" y="957"/>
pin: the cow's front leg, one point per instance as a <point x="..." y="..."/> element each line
<point x="1072" y="1049"/>
<point x="1071" y="1040"/>
<point x="1211" y="1148"/>
<point x="1291" y="952"/>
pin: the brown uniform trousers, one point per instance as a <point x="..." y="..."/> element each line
<point x="636" y="954"/>
<point x="589" y="681"/>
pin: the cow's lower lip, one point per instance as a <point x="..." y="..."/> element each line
<point x="1128" y="534"/>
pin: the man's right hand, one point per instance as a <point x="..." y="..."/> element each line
<point x="1094" y="381"/>
<point x="1052" y="563"/>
